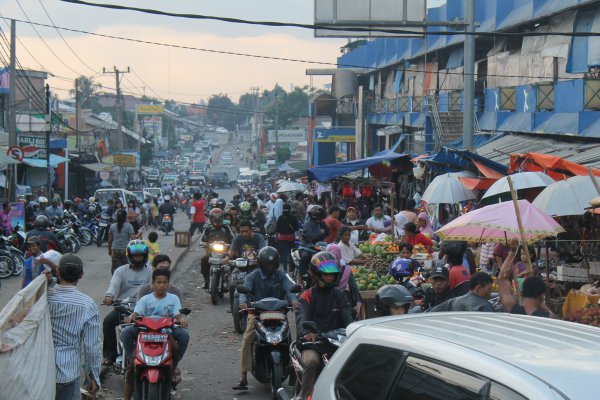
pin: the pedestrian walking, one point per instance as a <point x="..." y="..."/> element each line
<point x="119" y="235"/>
<point x="197" y="211"/>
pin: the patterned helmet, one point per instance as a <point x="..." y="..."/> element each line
<point x="137" y="247"/>
<point x="324" y="263"/>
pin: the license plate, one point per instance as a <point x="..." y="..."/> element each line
<point x="214" y="260"/>
<point x="103" y="225"/>
<point x="240" y="276"/>
<point x="154" y="337"/>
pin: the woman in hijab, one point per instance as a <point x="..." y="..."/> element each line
<point x="425" y="223"/>
<point x="347" y="281"/>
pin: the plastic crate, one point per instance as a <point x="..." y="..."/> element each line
<point x="182" y="239"/>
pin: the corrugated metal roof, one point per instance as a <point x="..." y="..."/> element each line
<point x="581" y="152"/>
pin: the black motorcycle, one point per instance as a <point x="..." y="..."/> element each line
<point x="103" y="227"/>
<point x="219" y="270"/>
<point x="241" y="268"/>
<point x="300" y="257"/>
<point x="270" y="349"/>
<point x="326" y="344"/>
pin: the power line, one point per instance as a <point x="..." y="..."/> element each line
<point x="64" y="40"/>
<point x="343" y="65"/>
<point x="42" y="39"/>
<point x="25" y="48"/>
<point x="323" y="27"/>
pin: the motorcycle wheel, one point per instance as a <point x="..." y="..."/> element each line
<point x="240" y="319"/>
<point x="276" y="380"/>
<point x="7" y="267"/>
<point x="19" y="263"/>
<point x="75" y="244"/>
<point x="214" y="289"/>
<point x="157" y="391"/>
<point x="100" y="237"/>
<point x="86" y="237"/>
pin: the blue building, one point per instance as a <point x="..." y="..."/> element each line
<point x="412" y="89"/>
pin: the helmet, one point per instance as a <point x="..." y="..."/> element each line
<point x="92" y="199"/>
<point x="400" y="268"/>
<point x="268" y="260"/>
<point x="33" y="204"/>
<point x="67" y="203"/>
<point x="245" y="209"/>
<point x="388" y="295"/>
<point x="221" y="203"/>
<point x="216" y="217"/>
<point x="137" y="247"/>
<point x="324" y="263"/>
<point x="317" y="213"/>
<point x="42" y="199"/>
<point x="213" y="203"/>
<point x="41" y="222"/>
<point x="167" y="198"/>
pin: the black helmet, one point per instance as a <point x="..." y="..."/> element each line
<point x="317" y="212"/>
<point x="67" y="203"/>
<point x="137" y="247"/>
<point x="41" y="222"/>
<point x="324" y="263"/>
<point x="268" y="260"/>
<point x="221" y="203"/>
<point x="388" y="295"/>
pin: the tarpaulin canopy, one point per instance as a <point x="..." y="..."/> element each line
<point x="477" y="183"/>
<point x="42" y="163"/>
<point x="449" y="159"/>
<point x="556" y="167"/>
<point x="325" y="172"/>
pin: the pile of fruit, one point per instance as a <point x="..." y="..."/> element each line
<point x="369" y="280"/>
<point x="587" y="316"/>
<point x="367" y="248"/>
<point x="376" y="264"/>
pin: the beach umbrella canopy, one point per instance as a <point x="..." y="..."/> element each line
<point x="447" y="189"/>
<point x="567" y="197"/>
<point x="289" y="186"/>
<point x="521" y="181"/>
<point x="498" y="223"/>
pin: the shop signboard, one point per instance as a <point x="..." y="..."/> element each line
<point x="149" y="109"/>
<point x="335" y="135"/>
<point x="124" y="160"/>
<point x="152" y="126"/>
<point x="287" y="136"/>
<point x="33" y="146"/>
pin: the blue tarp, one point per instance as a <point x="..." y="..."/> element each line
<point x="456" y="58"/>
<point x="41" y="163"/>
<point x="478" y="140"/>
<point x="450" y="160"/>
<point x="326" y="172"/>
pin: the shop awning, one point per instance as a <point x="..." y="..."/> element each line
<point x="98" y="167"/>
<point x="556" y="167"/>
<point x="41" y="163"/>
<point x="326" y="172"/>
<point x="487" y="171"/>
<point x="476" y="183"/>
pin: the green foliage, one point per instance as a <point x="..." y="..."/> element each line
<point x="283" y="154"/>
<point x="221" y="111"/>
<point x="88" y="90"/>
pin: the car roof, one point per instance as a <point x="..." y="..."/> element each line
<point x="543" y="347"/>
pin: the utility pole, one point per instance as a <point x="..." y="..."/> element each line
<point x="77" y="138"/>
<point x="48" y="129"/>
<point x="469" y="96"/>
<point x="119" y="111"/>
<point x="276" y="127"/>
<point x="12" y="112"/>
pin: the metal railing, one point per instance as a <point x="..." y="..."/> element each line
<point x="438" y="130"/>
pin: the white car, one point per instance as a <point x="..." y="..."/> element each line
<point x="462" y="356"/>
<point x="222" y="130"/>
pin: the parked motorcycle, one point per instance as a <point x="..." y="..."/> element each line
<point x="83" y="234"/>
<point x="7" y="265"/>
<point x="153" y="361"/>
<point x="241" y="268"/>
<point x="17" y="255"/>
<point x="270" y="349"/>
<point x="219" y="271"/>
<point x="326" y="345"/>
<point x="67" y="242"/>
<point x="103" y="227"/>
<point x="166" y="224"/>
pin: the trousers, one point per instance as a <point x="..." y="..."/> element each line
<point x="312" y="361"/>
<point x="246" y="356"/>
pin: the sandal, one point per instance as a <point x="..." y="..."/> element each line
<point x="241" y="385"/>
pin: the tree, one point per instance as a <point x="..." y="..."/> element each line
<point x="221" y="111"/>
<point x="287" y="106"/>
<point x="283" y="154"/>
<point x="88" y="90"/>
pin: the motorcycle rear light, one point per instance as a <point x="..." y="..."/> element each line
<point x="271" y="315"/>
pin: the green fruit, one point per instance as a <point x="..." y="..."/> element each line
<point x="362" y="287"/>
<point x="371" y="287"/>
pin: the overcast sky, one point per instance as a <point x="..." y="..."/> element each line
<point x="184" y="75"/>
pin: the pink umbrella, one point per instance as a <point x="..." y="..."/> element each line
<point x="498" y="223"/>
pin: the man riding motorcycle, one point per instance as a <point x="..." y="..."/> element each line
<point x="327" y="306"/>
<point x="124" y="284"/>
<point x="166" y="208"/>
<point x="214" y="232"/>
<point x="246" y="243"/>
<point x="314" y="231"/>
<point x="48" y="240"/>
<point x="393" y="300"/>
<point x="266" y="281"/>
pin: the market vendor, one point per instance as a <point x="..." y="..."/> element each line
<point x="353" y="220"/>
<point x="349" y="253"/>
<point x="333" y="223"/>
<point x="414" y="237"/>
<point x="424" y="224"/>
<point x="379" y="223"/>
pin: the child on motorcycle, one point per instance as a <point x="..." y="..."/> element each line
<point x="327" y="306"/>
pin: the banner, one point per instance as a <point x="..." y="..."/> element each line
<point x="333" y="135"/>
<point x="149" y="109"/>
<point x="152" y="127"/>
<point x="287" y="136"/>
<point x="124" y="160"/>
<point x="16" y="215"/>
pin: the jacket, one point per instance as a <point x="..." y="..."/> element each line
<point x="329" y="308"/>
<point x="211" y="234"/>
<point x="468" y="302"/>
<point x="261" y="287"/>
<point x="313" y="231"/>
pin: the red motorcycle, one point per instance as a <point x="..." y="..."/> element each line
<point x="153" y="363"/>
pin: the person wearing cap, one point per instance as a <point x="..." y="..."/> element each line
<point x="477" y="299"/>
<point x="352" y="219"/>
<point x="439" y="291"/>
<point x="34" y="264"/>
<point x="75" y="330"/>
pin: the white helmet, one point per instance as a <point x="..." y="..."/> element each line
<point x="92" y="199"/>
<point x="167" y="198"/>
<point x="42" y="199"/>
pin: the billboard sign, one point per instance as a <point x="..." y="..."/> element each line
<point x="400" y="15"/>
<point x="149" y="109"/>
<point x="152" y="126"/>
<point x="335" y="135"/>
<point x="287" y="136"/>
<point x="32" y="146"/>
<point x="124" y="160"/>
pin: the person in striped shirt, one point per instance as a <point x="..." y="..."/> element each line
<point x="75" y="329"/>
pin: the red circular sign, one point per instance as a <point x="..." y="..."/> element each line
<point x="16" y="153"/>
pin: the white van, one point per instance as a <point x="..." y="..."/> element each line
<point x="102" y="195"/>
<point x="247" y="177"/>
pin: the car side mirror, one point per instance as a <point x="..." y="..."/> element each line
<point x="185" y="311"/>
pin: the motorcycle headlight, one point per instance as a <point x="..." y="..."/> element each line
<point x="152" y="361"/>
<point x="217" y="247"/>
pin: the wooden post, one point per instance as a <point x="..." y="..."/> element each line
<point x="513" y="194"/>
<point x="594" y="180"/>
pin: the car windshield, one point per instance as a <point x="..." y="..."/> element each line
<point x="244" y="178"/>
<point x="153" y="172"/>
<point x="104" y="195"/>
<point x="154" y="191"/>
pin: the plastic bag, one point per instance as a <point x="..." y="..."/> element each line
<point x="26" y="346"/>
<point x="51" y="255"/>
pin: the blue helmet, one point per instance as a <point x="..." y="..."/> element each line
<point x="401" y="268"/>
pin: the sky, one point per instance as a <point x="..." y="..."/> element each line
<point x="172" y="73"/>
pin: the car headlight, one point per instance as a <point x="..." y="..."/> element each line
<point x="217" y="247"/>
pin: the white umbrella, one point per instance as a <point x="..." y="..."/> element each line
<point x="289" y="186"/>
<point x="567" y="197"/>
<point x="522" y="180"/>
<point x="447" y="189"/>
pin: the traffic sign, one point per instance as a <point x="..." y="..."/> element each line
<point x="16" y="153"/>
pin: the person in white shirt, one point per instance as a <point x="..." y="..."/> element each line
<point x="380" y="223"/>
<point x="349" y="253"/>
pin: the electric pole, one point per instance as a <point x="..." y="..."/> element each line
<point x="12" y="112"/>
<point x="48" y="129"/>
<point x="469" y="111"/>
<point x="77" y="138"/>
<point x="119" y="114"/>
<point x="276" y="126"/>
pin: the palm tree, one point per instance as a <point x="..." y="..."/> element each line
<point x="87" y="92"/>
